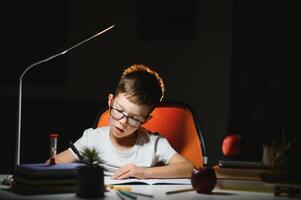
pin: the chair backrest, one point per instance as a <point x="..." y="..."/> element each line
<point x="179" y="124"/>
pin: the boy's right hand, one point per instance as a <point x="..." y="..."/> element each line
<point x="130" y="170"/>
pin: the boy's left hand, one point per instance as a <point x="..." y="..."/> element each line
<point x="130" y="170"/>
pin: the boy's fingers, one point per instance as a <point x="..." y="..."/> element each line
<point x="119" y="172"/>
<point x="125" y="175"/>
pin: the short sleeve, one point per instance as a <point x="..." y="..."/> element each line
<point x="164" y="150"/>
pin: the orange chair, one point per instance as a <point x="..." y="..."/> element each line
<point x="179" y="124"/>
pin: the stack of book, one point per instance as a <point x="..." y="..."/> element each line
<point x="241" y="175"/>
<point x="41" y="178"/>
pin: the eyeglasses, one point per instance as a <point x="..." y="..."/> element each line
<point x="118" y="115"/>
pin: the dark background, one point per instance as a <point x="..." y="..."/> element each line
<point x="235" y="62"/>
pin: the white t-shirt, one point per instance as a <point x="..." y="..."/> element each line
<point x="148" y="150"/>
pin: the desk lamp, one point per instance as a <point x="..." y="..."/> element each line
<point x="18" y="138"/>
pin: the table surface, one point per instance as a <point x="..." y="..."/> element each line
<point x="158" y="191"/>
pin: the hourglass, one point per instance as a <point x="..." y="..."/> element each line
<point x="53" y="147"/>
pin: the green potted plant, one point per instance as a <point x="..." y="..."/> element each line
<point x="90" y="177"/>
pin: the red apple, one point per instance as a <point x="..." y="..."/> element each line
<point x="233" y="146"/>
<point x="203" y="180"/>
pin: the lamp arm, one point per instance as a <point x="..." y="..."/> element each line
<point x="18" y="138"/>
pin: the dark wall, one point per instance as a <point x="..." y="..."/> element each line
<point x="30" y="31"/>
<point x="235" y="62"/>
<point x="266" y="73"/>
<point x="188" y="43"/>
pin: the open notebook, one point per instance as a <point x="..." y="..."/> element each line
<point x="173" y="181"/>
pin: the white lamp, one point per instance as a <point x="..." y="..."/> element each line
<point x="18" y="138"/>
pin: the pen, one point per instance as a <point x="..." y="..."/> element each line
<point x="178" y="191"/>
<point x="123" y="188"/>
<point x="119" y="195"/>
<point x="74" y="149"/>
<point x="141" y="194"/>
<point x="127" y="194"/>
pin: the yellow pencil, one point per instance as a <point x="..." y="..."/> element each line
<point x="123" y="188"/>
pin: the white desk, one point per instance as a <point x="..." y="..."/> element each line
<point x="158" y="191"/>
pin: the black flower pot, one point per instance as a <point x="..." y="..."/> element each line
<point x="90" y="182"/>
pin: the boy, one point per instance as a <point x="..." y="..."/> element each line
<point x="127" y="149"/>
